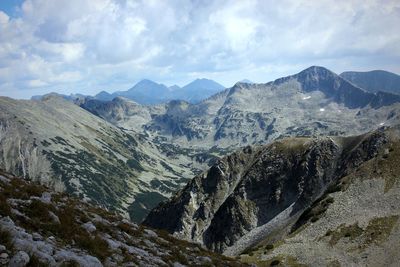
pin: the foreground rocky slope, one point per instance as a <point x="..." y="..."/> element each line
<point x="39" y="227"/>
<point x="312" y="201"/>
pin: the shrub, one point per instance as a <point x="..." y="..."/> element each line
<point x="275" y="263"/>
<point x="269" y="246"/>
<point x="5" y="239"/>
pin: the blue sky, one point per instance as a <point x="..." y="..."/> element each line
<point x="85" y="46"/>
<point x="11" y="7"/>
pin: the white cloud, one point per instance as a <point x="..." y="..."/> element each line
<point x="91" y="45"/>
<point x="3" y="19"/>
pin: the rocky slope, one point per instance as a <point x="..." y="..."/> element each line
<point x="62" y="145"/>
<point x="39" y="227"/>
<point x="338" y="197"/>
<point x="374" y="81"/>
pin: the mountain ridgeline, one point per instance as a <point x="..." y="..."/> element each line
<point x="300" y="170"/>
<point x="263" y="195"/>
<point x="374" y="81"/>
<point x="129" y="157"/>
<point x="147" y="92"/>
<point x="315" y="101"/>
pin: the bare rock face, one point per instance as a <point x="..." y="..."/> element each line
<point x="253" y="187"/>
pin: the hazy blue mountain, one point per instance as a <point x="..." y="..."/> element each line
<point x="198" y="90"/>
<point x="105" y="96"/>
<point x="374" y="81"/>
<point x="246" y="81"/>
<point x="147" y="92"/>
<point x="71" y="97"/>
<point x="174" y="87"/>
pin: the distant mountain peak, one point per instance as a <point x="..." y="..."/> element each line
<point x="204" y="84"/>
<point x="317" y="70"/>
<point x="246" y="81"/>
<point x="174" y="87"/>
<point x="147" y="82"/>
<point x="374" y="81"/>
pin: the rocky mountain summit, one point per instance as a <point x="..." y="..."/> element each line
<point x="314" y="201"/>
<point x="39" y="227"/>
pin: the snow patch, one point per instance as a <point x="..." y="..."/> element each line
<point x="322" y="109"/>
<point x="306" y="97"/>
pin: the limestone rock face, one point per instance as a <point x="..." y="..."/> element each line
<point x="251" y="188"/>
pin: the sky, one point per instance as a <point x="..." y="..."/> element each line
<point x="86" y="46"/>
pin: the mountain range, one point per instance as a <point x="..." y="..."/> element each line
<point x="315" y="101"/>
<point x="133" y="156"/>
<point x="147" y="92"/>
<point x="304" y="161"/>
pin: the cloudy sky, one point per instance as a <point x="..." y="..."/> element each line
<point x="86" y="46"/>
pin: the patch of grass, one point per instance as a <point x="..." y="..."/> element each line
<point x="130" y="230"/>
<point x="39" y="210"/>
<point x="292" y="262"/>
<point x="377" y="231"/>
<point x="176" y="255"/>
<point x="5" y="209"/>
<point x="96" y="246"/>
<point x="313" y="214"/>
<point x="21" y="189"/>
<point x="334" y="263"/>
<point x="35" y="262"/>
<point x="5" y="239"/>
<point x="390" y="166"/>
<point x="351" y="231"/>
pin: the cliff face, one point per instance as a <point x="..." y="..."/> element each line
<point x="258" y="191"/>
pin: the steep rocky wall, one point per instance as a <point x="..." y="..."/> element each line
<point x="250" y="188"/>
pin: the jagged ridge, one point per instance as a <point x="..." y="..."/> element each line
<point x="250" y="188"/>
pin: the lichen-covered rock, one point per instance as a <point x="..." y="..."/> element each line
<point x="89" y="226"/>
<point x="20" y="259"/>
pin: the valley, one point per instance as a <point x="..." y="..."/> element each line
<point x="305" y="161"/>
<point x="129" y="157"/>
